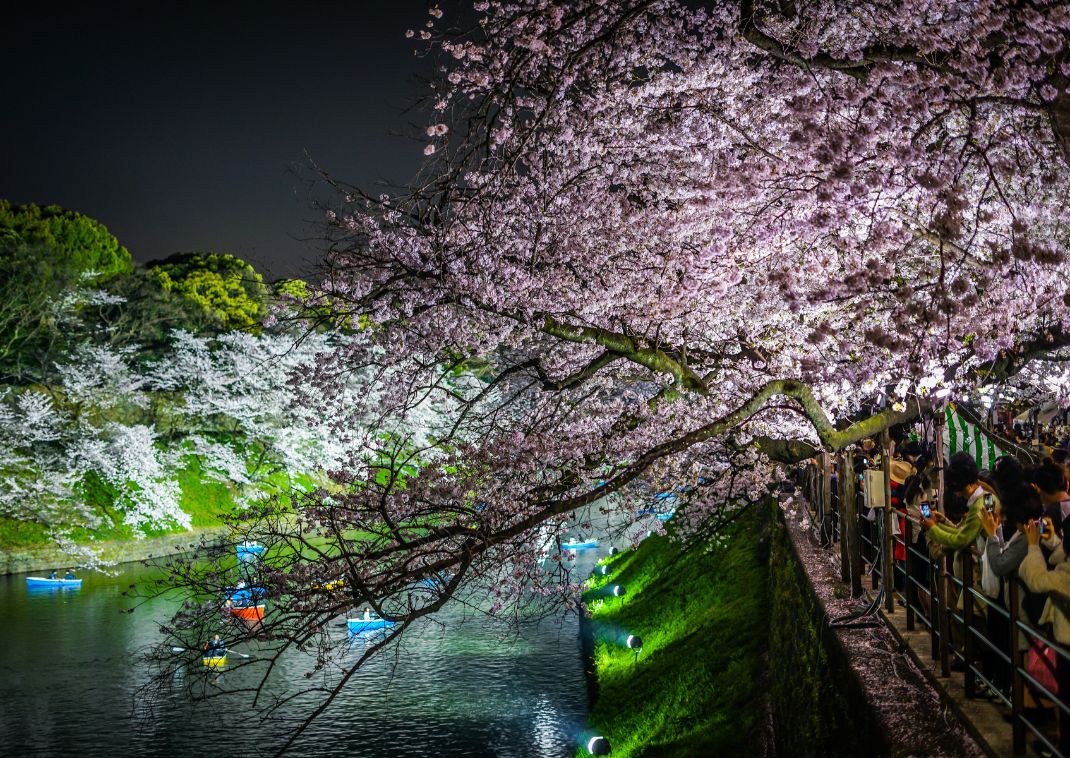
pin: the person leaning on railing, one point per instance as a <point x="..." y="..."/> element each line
<point x="1050" y="480"/>
<point x="1004" y="553"/>
<point x="1057" y="583"/>
<point x="962" y="479"/>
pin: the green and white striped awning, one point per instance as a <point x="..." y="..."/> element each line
<point x="962" y="436"/>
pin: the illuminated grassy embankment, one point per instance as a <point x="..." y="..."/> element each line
<point x="696" y="688"/>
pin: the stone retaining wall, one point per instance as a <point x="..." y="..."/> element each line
<point x="844" y="691"/>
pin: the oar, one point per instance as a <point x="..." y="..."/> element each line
<point x="187" y="650"/>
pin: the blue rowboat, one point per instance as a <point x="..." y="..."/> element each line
<point x="249" y="551"/>
<point x="579" y="545"/>
<point x="360" y="625"/>
<point x="40" y="582"/>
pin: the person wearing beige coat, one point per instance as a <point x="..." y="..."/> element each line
<point x="1034" y="572"/>
<point x="1056" y="583"/>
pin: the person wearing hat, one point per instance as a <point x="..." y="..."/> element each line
<point x="900" y="471"/>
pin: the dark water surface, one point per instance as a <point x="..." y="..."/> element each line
<point x="70" y="666"/>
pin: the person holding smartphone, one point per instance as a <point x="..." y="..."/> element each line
<point x="1037" y="578"/>
<point x="962" y="479"/>
<point x="1021" y="506"/>
<point x="1050" y="480"/>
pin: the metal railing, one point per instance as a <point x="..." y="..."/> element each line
<point x="945" y="602"/>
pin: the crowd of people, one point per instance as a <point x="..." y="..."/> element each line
<point x="1011" y="520"/>
<point x="1050" y="439"/>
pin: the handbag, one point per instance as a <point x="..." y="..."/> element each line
<point x="990" y="584"/>
<point x="1040" y="665"/>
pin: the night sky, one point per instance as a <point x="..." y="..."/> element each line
<point x="190" y="126"/>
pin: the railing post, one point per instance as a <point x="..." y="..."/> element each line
<point x="935" y="607"/>
<point x="1017" y="682"/>
<point x="911" y="588"/>
<point x="836" y="469"/>
<point x="875" y="529"/>
<point x="826" y="500"/>
<point x="850" y="522"/>
<point x="815" y="488"/>
<point x="968" y="642"/>
<point x="888" y="570"/>
<point x="938" y="432"/>
<point x="945" y="615"/>
<point x="845" y="552"/>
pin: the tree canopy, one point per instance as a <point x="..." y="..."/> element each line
<point x="81" y="243"/>
<point x="226" y="287"/>
<point x="688" y="241"/>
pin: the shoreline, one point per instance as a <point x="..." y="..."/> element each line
<point x="21" y="561"/>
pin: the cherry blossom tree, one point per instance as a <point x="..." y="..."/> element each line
<point x="227" y="400"/>
<point x="678" y="243"/>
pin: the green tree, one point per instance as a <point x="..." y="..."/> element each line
<point x="226" y="287"/>
<point x="83" y="244"/>
<point x="34" y="280"/>
<point x="145" y="313"/>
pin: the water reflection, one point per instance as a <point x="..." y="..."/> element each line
<point x="70" y="668"/>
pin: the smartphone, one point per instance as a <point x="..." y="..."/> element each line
<point x="1040" y="525"/>
<point x="990" y="503"/>
<point x="926" y="511"/>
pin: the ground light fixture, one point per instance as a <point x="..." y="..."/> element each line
<point x="618" y="590"/>
<point x="603" y="570"/>
<point x="635" y="643"/>
<point x="598" y="746"/>
<point x="614" y="550"/>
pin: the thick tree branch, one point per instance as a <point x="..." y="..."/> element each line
<point x="748" y="27"/>
<point x="654" y="359"/>
<point x="786" y="451"/>
<point x="577" y="377"/>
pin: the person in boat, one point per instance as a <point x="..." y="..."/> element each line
<point x="367" y="615"/>
<point x="53" y="575"/>
<point x="69" y="574"/>
<point x="215" y="647"/>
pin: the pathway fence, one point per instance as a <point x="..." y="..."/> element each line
<point x="981" y="638"/>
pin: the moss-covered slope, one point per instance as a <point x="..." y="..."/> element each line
<point x="696" y="689"/>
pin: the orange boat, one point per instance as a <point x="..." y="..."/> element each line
<point x="249" y="612"/>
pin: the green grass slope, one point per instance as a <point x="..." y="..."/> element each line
<point x="703" y="617"/>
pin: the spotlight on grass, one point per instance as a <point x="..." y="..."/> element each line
<point x="614" y="550"/>
<point x="618" y="590"/>
<point x="598" y="746"/>
<point x="603" y="570"/>
<point x="635" y="644"/>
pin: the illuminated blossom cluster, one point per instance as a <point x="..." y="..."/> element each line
<point x="675" y="243"/>
<point x="676" y="206"/>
